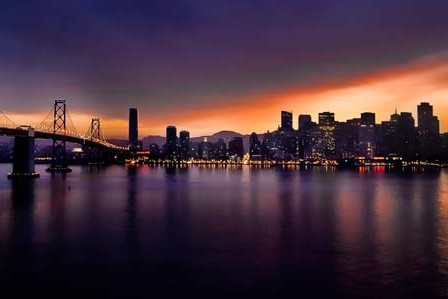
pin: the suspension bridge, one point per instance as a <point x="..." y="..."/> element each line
<point x="57" y="126"/>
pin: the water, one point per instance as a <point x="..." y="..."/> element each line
<point x="121" y="231"/>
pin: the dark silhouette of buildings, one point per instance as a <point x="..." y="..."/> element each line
<point x="358" y="138"/>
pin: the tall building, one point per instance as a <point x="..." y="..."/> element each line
<point x="221" y="150"/>
<point x="426" y="118"/>
<point x="236" y="147"/>
<point x="305" y="121"/>
<point x="286" y="120"/>
<point x="255" y="145"/>
<point x="326" y="119"/>
<point x="266" y="146"/>
<point x="184" y="144"/>
<point x="171" y="142"/>
<point x="205" y="149"/>
<point x="428" y="133"/>
<point x="307" y="128"/>
<point x="366" y="135"/>
<point x="133" y="128"/>
<point x="405" y="136"/>
<point x="326" y="146"/>
<point x="368" y="118"/>
<point x="346" y="140"/>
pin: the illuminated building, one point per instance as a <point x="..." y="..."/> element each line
<point x="326" y="143"/>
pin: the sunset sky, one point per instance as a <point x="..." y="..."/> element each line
<point x="211" y="65"/>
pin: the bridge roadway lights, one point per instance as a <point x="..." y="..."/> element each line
<point x="58" y="169"/>
<point x="23" y="156"/>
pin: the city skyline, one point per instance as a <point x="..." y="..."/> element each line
<point x="210" y="65"/>
<point x="83" y="122"/>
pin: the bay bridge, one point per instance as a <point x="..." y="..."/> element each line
<point x="57" y="126"/>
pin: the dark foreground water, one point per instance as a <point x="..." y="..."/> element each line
<point x="141" y="232"/>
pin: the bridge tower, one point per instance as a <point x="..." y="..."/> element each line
<point x="95" y="129"/>
<point x="95" y="155"/>
<point x="59" y="154"/>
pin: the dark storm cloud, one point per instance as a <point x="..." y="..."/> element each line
<point x="156" y="54"/>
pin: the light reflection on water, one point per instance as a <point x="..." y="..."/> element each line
<point x="130" y="230"/>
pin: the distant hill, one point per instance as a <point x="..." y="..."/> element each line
<point x="119" y="142"/>
<point x="225" y="135"/>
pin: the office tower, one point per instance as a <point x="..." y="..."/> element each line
<point x="305" y="140"/>
<point x="266" y="146"/>
<point x="428" y="133"/>
<point x="326" y="146"/>
<point x="171" y="142"/>
<point x="255" y="146"/>
<point x="405" y="136"/>
<point x="205" y="149"/>
<point x="346" y="140"/>
<point x="304" y="121"/>
<point x="154" y="151"/>
<point x="326" y="119"/>
<point x="221" y="150"/>
<point x="133" y="128"/>
<point x="368" y="118"/>
<point x="426" y="119"/>
<point x="367" y="136"/>
<point x="286" y="120"/>
<point x="184" y="144"/>
<point x="236" y="147"/>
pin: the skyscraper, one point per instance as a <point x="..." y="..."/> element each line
<point x="326" y="145"/>
<point x="366" y="135"/>
<point x="368" y="118"/>
<point x="184" y="144"/>
<point x="428" y="133"/>
<point x="133" y="128"/>
<point x="304" y="121"/>
<point x="236" y="147"/>
<point x="326" y="119"/>
<point x="255" y="146"/>
<point x="405" y="135"/>
<point x="171" y="142"/>
<point x="286" y="120"/>
<point x="426" y="119"/>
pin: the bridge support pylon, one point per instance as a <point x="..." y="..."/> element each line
<point x="23" y="156"/>
<point x="94" y="153"/>
<point x="59" y="154"/>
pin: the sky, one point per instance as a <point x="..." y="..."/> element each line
<point x="211" y="65"/>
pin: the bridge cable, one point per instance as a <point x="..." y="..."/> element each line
<point x="8" y="120"/>
<point x="44" y="124"/>
<point x="71" y="122"/>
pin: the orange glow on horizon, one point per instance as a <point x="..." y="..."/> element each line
<point x="402" y="88"/>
